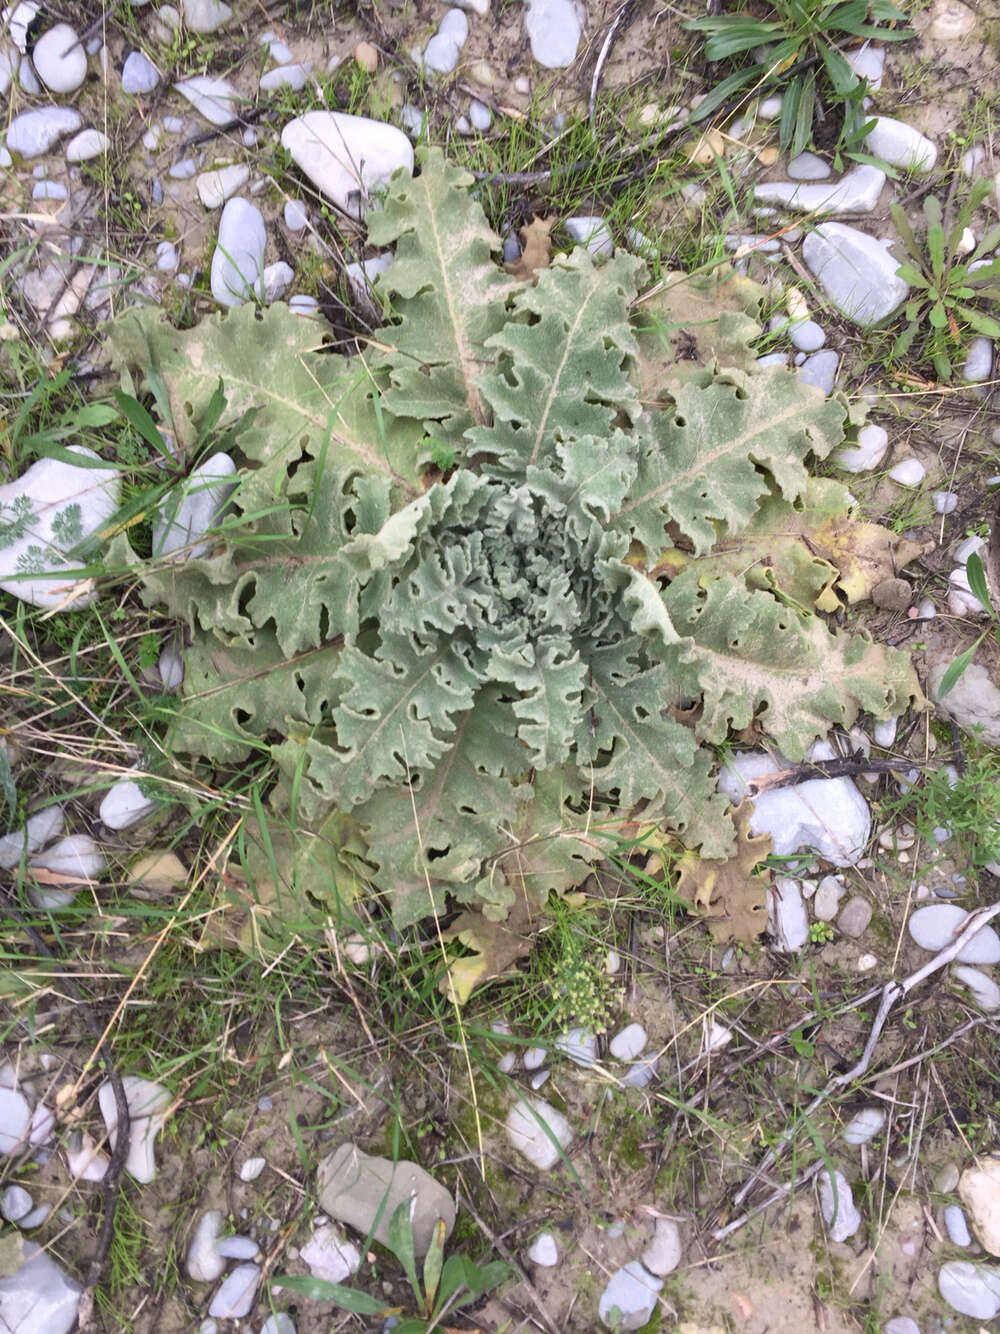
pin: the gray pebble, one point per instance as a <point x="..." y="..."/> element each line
<point x="854" y="917"/>
<point x="956" y="1226"/>
<point x="820" y="370"/>
<point x="183" y="170"/>
<point x="139" y="75"/>
<point x="296" y="215"/>
<point x="807" y="336"/>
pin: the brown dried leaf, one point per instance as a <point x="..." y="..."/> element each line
<point x="536" y="249"/>
<point x="497" y="946"/>
<point x="159" y="871"/>
<point x="729" y="894"/>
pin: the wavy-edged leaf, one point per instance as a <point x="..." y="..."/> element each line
<point x="561" y="373"/>
<point x="755" y="660"/>
<point x="701" y="463"/>
<point x="306" y="401"/>
<point x="447" y="293"/>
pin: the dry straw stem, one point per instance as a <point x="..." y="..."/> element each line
<point x="891" y="994"/>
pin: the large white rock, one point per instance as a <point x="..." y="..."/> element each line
<point x="238" y="260"/>
<point x="33" y="133"/>
<point x="347" y="158"/>
<point x="46" y="512"/>
<point x="936" y="926"/>
<point x="15" y="1117"/>
<point x="901" y="145"/>
<point x="39" y="1297"/>
<point x="663" y="1254"/>
<point x="979" y="1188"/>
<point x="147" y="1102"/>
<point x="857" y="191"/>
<point x="836" y="1203"/>
<point x="237" y="1293"/>
<point x="553" y="28"/>
<point x="204" y="1263"/>
<point x="629" y="1298"/>
<point x="856" y="272"/>
<point x="38" y="830"/>
<point x="192" y="509"/>
<point x="215" y="187"/>
<point x="60" y="59"/>
<point x="828" y="814"/>
<point x="973" y="1290"/>
<point x="330" y="1255"/>
<point x="18" y="19"/>
<point x="205" y="15"/>
<point x="125" y="804"/>
<point x="538" y="1131"/>
<point x="214" y="98"/>
<point x="787" y="919"/>
<point x="983" y="991"/>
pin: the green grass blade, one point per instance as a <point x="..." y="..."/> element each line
<point x="976" y="576"/>
<point x="956" y="668"/>
<point x="322" y="1290"/>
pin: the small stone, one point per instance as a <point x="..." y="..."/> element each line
<point x="857" y="274"/>
<point x="946" y="1179"/>
<point x="167" y="258"/>
<point x="183" y="170"/>
<point x="854" y="917"/>
<point x="292" y="76"/>
<point x="139" y="75"/>
<point x="901" y="145"/>
<point x="215" y="99"/>
<point x="950" y="21"/>
<point x="579" y="1045"/>
<point x="126" y="804"/>
<point x="884" y="734"/>
<point x="554" y="29"/>
<point x="787" y="919"/>
<point x="348" y="158"/>
<point x="935" y="927"/>
<point x="60" y="60"/>
<point x="983" y="991"/>
<point x="864" y="1125"/>
<point x="767" y="157"/>
<point x="205" y="16"/>
<point x="642" y="1072"/>
<point x="868" y="453"/>
<point x="39" y="1297"/>
<point x="238" y="1248"/>
<point x="663" y="1254"/>
<point x="366" y="57"/>
<point x="867" y="62"/>
<point x="534" y="1058"/>
<point x="808" y="167"/>
<point x="506" y="1063"/>
<point x="170" y="665"/>
<point x="535" y="1140"/>
<point x="820" y="370"/>
<point x="296" y="215"/>
<point x="17" y="19"/>
<point x="627" y="1044"/>
<point x="16" y="1204"/>
<point x="543" y="1251"/>
<point x="978" y="361"/>
<point x="215" y="187"/>
<point x="770" y="108"/>
<point x="593" y="233"/>
<point x="204" y="1263"/>
<point x="979" y="1189"/>
<point x="836" y="1204"/>
<point x="86" y="145"/>
<point x="277" y="279"/>
<point x="74" y="859"/>
<point x="956" y="1226"/>
<point x="857" y="191"/>
<point x="901" y="1324"/>
<point x="238" y="259"/>
<point x="629" y="1299"/>
<point x="480" y="115"/>
<point x="32" y="133"/>
<point x="826" y="899"/>
<point x="972" y="158"/>
<point x="330" y="1255"/>
<point x="192" y="509"/>
<point x="236" y="1294"/>
<point x="355" y="1188"/>
<point x="303" y="304"/>
<point x="909" y="472"/>
<point x="49" y="190"/>
<point x="773" y="359"/>
<point x="38" y="830"/>
<point x="148" y="1102"/>
<point x="806" y="336"/>
<point x="282" y="1323"/>
<point x="252" y="1168"/>
<point x="944" y="502"/>
<point x="970" y="1289"/>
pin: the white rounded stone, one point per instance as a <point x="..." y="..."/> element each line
<point x="663" y="1254"/>
<point x="86" y="145"/>
<point x="579" y="1045"/>
<point x="836" y="1203"/>
<point x="15" y="1117"/>
<point x="205" y="15"/>
<point x="979" y="1189"/>
<point x="16" y="1204"/>
<point x="125" y="804"/>
<point x="936" y="926"/>
<point x="215" y="187"/>
<point x="60" y="60"/>
<point x="629" y="1299"/>
<point x="983" y="990"/>
<point x="868" y="453"/>
<point x="236" y="1294"/>
<point x="214" y="98"/>
<point x="192" y="510"/>
<point x="544" y="1251"/>
<point x="956" y="1226"/>
<point x="901" y="145"/>
<point x="864" y="1125"/>
<point x="538" y="1131"/>
<point x="252" y="1168"/>
<point x="139" y="74"/>
<point x="626" y="1045"/>
<point x="909" y="472"/>
<point x="32" y="133"/>
<point x="348" y="158"/>
<point x="978" y="361"/>
<point x="330" y="1255"/>
<point x="856" y="272"/>
<point x="554" y="29"/>
<point x="204" y="1263"/>
<point x="970" y="1289"/>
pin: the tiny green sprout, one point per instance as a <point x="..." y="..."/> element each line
<point x="820" y="933"/>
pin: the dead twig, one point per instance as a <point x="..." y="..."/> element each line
<point x="891" y="994"/>
<point x="847" y="767"/>
<point x="621" y="19"/>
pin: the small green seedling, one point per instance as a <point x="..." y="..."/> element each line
<point x="945" y="282"/>
<point x="443" y="1287"/>
<point x="977" y="583"/>
<point x="802" y="47"/>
